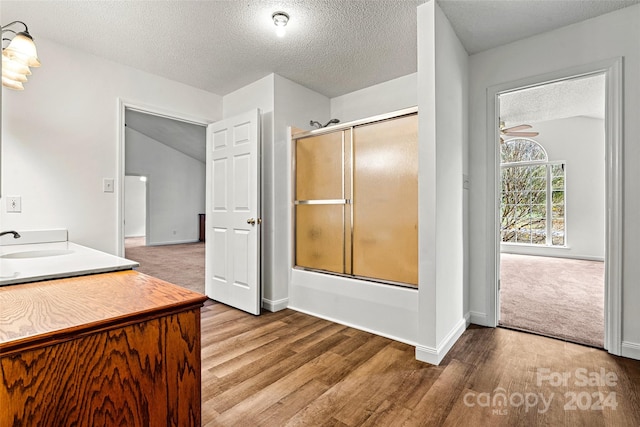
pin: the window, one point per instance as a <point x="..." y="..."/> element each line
<point x="532" y="207"/>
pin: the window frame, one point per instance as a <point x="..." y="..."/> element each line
<point x="548" y="196"/>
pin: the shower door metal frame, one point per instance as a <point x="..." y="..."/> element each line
<point x="346" y="202"/>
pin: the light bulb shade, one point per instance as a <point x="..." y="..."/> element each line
<point x="14" y="76"/>
<point x="11" y="84"/>
<point x="13" y="66"/>
<point x="280" y="19"/>
<point x="23" y="50"/>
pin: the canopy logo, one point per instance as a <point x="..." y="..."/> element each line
<point x="595" y="400"/>
<point x="499" y="401"/>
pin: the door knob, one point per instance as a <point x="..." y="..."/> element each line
<point x="253" y="221"/>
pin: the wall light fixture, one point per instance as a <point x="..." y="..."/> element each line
<point x="18" y="56"/>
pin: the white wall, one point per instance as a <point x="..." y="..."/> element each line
<point x="443" y="88"/>
<point x="580" y="142"/>
<point x="382" y="98"/>
<point x="295" y="106"/>
<point x="598" y="39"/>
<point x="282" y="103"/>
<point x="135" y="206"/>
<point x="60" y="139"/>
<point x="176" y="187"/>
<point x="390" y="311"/>
<point x="258" y="94"/>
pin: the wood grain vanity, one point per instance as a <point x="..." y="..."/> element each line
<point x="119" y="348"/>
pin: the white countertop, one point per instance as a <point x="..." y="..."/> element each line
<point x="22" y="263"/>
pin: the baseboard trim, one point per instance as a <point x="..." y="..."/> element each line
<point x="478" y="318"/>
<point x="276" y="305"/>
<point x="435" y="355"/>
<point x="173" y="242"/>
<point x="467" y="320"/>
<point x="630" y="350"/>
<point x="350" y="325"/>
<point x="550" y="252"/>
<point x="427" y="354"/>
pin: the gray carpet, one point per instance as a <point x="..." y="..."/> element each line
<point x="558" y="297"/>
<point x="181" y="264"/>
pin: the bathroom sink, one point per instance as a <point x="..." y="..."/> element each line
<point x="37" y="254"/>
<point x="53" y="258"/>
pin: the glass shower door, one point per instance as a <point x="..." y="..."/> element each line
<point x="385" y="194"/>
<point x="356" y="201"/>
<point x="322" y="197"/>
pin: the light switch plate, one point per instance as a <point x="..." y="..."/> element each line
<point x="107" y="185"/>
<point x="14" y="204"/>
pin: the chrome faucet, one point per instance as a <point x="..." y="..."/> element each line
<point x="16" y="235"/>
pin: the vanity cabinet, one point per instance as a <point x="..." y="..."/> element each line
<point x="106" y="349"/>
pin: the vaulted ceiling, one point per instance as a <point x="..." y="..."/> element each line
<point x="187" y="138"/>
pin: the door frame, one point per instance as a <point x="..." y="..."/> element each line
<point x="613" y="71"/>
<point x="123" y="105"/>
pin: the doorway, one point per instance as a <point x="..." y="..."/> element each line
<point x="160" y="216"/>
<point x="552" y="209"/>
<point x="612" y="69"/>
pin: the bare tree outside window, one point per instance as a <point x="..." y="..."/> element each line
<point x="532" y="195"/>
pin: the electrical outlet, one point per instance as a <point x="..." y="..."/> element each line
<point x="107" y="185"/>
<point x="14" y="204"/>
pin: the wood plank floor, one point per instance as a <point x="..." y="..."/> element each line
<point x="291" y="369"/>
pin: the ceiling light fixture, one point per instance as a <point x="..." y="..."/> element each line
<point x="17" y="57"/>
<point x="280" y="20"/>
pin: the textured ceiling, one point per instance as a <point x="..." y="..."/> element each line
<point x="332" y="46"/>
<point x="485" y="24"/>
<point x="583" y="96"/>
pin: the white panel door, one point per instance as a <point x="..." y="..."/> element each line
<point x="232" y="267"/>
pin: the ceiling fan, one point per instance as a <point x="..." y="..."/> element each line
<point x="515" y="131"/>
